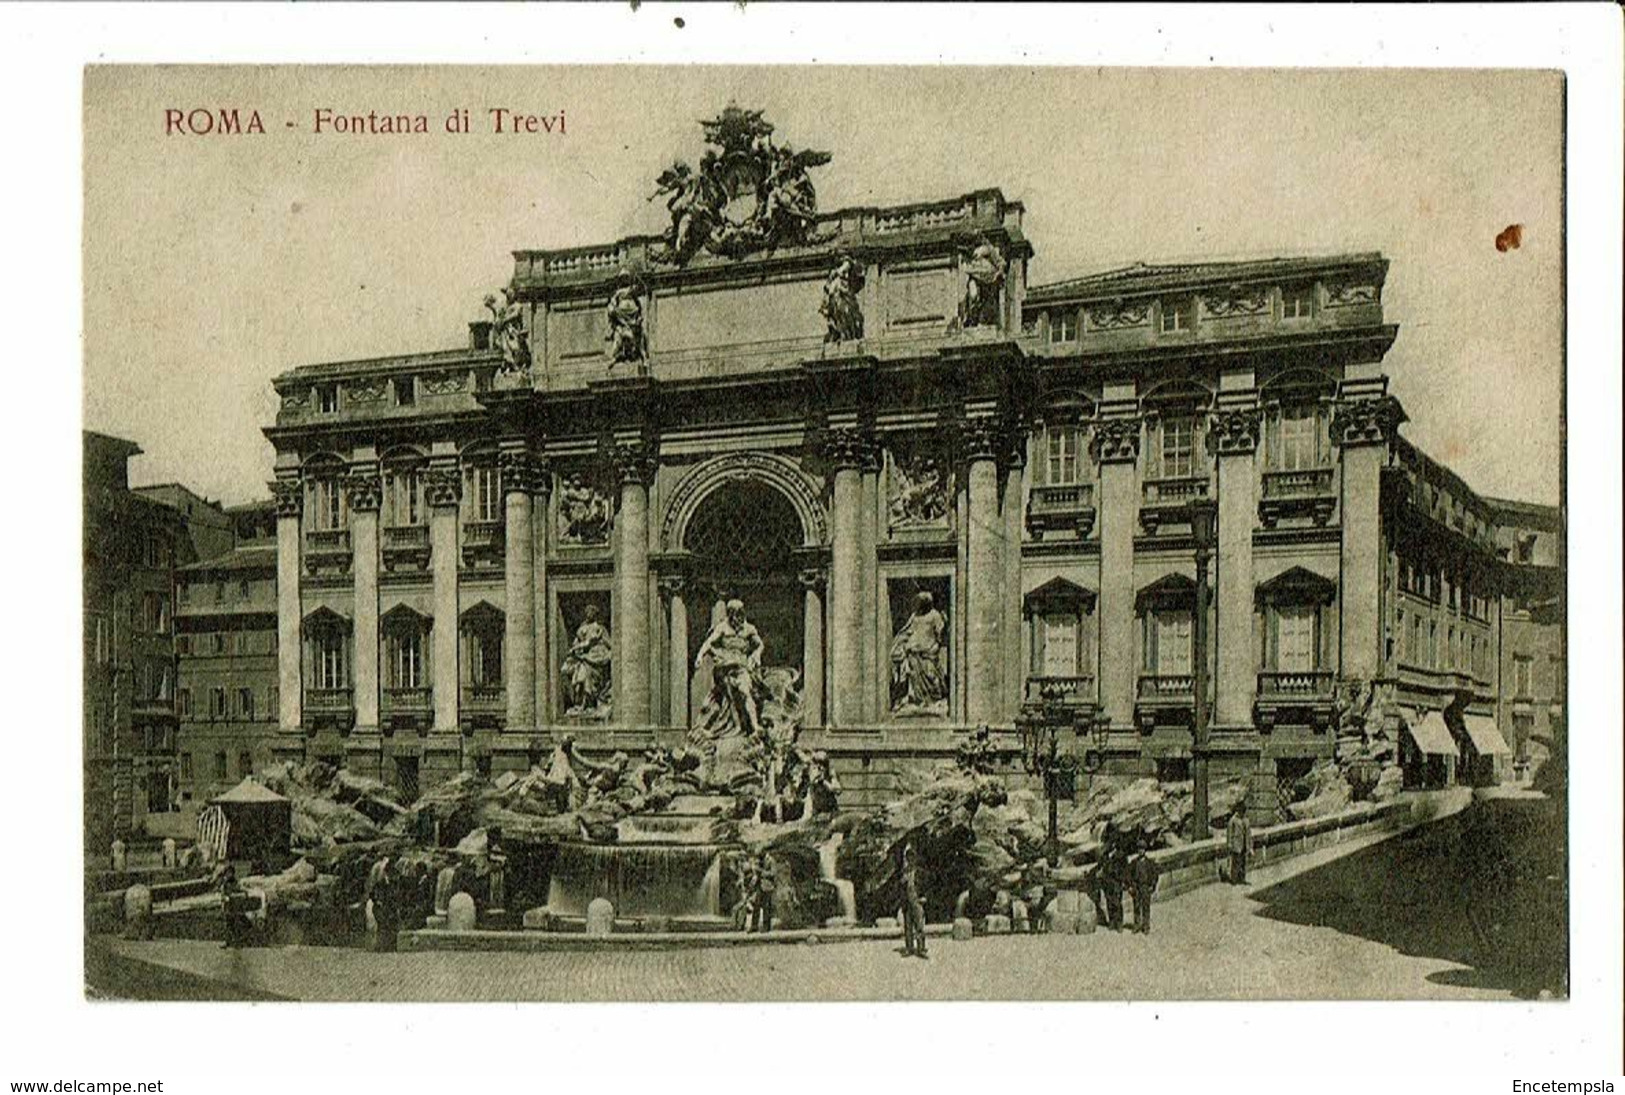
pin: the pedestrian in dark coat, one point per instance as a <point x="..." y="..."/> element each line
<point x="767" y="884"/>
<point x="232" y="900"/>
<point x="1143" y="875"/>
<point x="384" y="890"/>
<point x="913" y="907"/>
<point x="1113" y="874"/>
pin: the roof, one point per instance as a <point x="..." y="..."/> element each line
<point x="257" y="557"/>
<point x="1533" y="511"/>
<point x="1431" y="735"/>
<point x="108" y="441"/>
<point x="1147" y="277"/>
<point x="1486" y="738"/>
<point x="249" y="791"/>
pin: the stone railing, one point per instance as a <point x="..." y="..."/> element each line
<point x="1175" y="491"/>
<point x="1174" y="686"/>
<point x="1064" y="690"/>
<point x="1309" y="683"/>
<point x="923" y="218"/>
<point x="1303" y="483"/>
<point x="408" y="701"/>
<point x="328" y="700"/>
<point x="485" y="697"/>
<point x="406" y="546"/>
<point x="327" y="541"/>
<point x="482" y="542"/>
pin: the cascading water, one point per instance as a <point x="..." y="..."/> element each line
<point x="827" y="852"/>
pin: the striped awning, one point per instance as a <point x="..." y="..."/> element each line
<point x="1486" y="737"/>
<point x="1431" y="735"/>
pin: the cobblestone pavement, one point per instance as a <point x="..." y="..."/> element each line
<point x="1268" y="940"/>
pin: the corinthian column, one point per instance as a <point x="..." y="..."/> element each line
<point x="290" y="695"/>
<point x="519" y="637"/>
<point x="443" y="487"/>
<point x="672" y="588"/>
<point x="366" y="492"/>
<point x="1363" y="429"/>
<point x="984" y="579"/>
<point x="812" y="646"/>
<point x="1117" y="447"/>
<point x="1234" y="440"/>
<point x="847" y="450"/>
<point x="635" y="465"/>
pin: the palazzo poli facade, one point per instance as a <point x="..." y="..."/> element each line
<point x="944" y="497"/>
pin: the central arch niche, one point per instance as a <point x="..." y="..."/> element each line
<point x="741" y="542"/>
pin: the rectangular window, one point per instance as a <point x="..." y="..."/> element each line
<point x="1172" y="637"/>
<point x="220" y="766"/>
<point x="1523" y="671"/>
<point x="186" y="767"/>
<point x="1400" y="650"/>
<point x="245" y="703"/>
<point x="327" y="505"/>
<point x="183" y="703"/>
<point x="271" y="702"/>
<point x="1298" y="438"/>
<point x="245" y="763"/>
<point x="1416" y="640"/>
<point x="486" y="487"/>
<point x="405" y="500"/>
<point x="405" y="659"/>
<point x="1062" y="444"/>
<point x="405" y="391"/>
<point x="485" y="659"/>
<point x="1060" y="644"/>
<point x="330" y="661"/>
<point x="1433" y="644"/>
<point x="327" y="398"/>
<point x="217" y="703"/>
<point x="1178" y="448"/>
<point x="1063" y="326"/>
<point x="1178" y="315"/>
<point x="1298" y="302"/>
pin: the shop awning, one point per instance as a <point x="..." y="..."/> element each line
<point x="1486" y="738"/>
<point x="1431" y="735"/>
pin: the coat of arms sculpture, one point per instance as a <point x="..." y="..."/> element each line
<point x="748" y="195"/>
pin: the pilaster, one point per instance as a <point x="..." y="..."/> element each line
<point x="365" y="494"/>
<point x="1363" y="426"/>
<point x="443" y="489"/>
<point x="1233" y="441"/>
<point x="1116" y="447"/>
<point x="634" y="464"/>
<point x="289" y="494"/>
<point x="846" y="449"/>
<point x="979" y="444"/>
<point x="519" y="476"/>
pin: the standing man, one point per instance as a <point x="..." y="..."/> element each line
<point x="1143" y="874"/>
<point x="1113" y="874"/>
<point x="913" y="909"/>
<point x="1239" y="838"/>
<point x="767" y="884"/>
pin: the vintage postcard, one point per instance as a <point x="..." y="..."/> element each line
<point x="672" y="533"/>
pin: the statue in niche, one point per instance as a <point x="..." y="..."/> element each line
<point x="627" y="344"/>
<point x="919" y="658"/>
<point x="583" y="512"/>
<point x="840" y="309"/>
<point x="586" y="668"/>
<point x="919" y="493"/>
<point x="508" y="332"/>
<point x="985" y="271"/>
<point x="735" y="649"/>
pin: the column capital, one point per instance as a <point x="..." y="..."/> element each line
<point x="672" y="585"/>
<point x="365" y="488"/>
<point x="848" y="447"/>
<point x="1233" y="432"/>
<point x="522" y="473"/>
<point x="290" y="496"/>
<point x="812" y="578"/>
<point x="633" y="463"/>
<point x="981" y="438"/>
<point x="443" y="486"/>
<point x="1366" y="421"/>
<point x="1116" y="441"/>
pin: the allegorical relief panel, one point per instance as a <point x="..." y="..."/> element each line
<point x="918" y="489"/>
<point x="584" y="515"/>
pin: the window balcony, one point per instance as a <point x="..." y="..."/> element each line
<point x="1063" y="507"/>
<point x="1164" y="500"/>
<point x="406" y="547"/>
<point x="483" y="705"/>
<point x="1165" y="698"/>
<point x="329" y="707"/>
<point x="483" y="543"/>
<point x="1307" y="492"/>
<point x="1299" y="696"/>
<point x="405" y="708"/>
<point x="1076" y="692"/>
<point x="327" y="550"/>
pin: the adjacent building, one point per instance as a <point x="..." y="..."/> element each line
<point x="943" y="496"/>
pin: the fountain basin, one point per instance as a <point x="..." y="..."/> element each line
<point x="678" y="880"/>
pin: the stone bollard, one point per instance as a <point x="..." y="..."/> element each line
<point x="600" y="916"/>
<point x="138" y="912"/>
<point x="460" y="913"/>
<point x="120" y="857"/>
<point x="443" y="883"/>
<point x="1020" y="920"/>
<point x="1061" y="923"/>
<point x="998" y="925"/>
<point x="1085" y="922"/>
<point x="171" y="860"/>
<point x="372" y="921"/>
<point x="963" y="928"/>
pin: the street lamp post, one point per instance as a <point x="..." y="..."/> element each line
<point x="1204" y="515"/>
<point x="1041" y="756"/>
